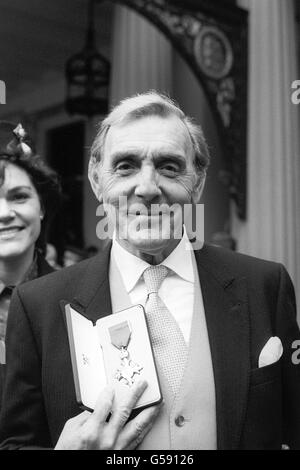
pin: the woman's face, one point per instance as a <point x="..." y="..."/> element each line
<point x="20" y="213"/>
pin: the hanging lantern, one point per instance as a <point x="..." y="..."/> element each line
<point x="87" y="74"/>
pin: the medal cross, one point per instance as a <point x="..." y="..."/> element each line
<point x="85" y="360"/>
<point x="128" y="369"/>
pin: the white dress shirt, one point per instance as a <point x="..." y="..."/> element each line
<point x="177" y="289"/>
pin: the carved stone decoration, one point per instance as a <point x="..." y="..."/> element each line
<point x="213" y="52"/>
<point x="212" y="38"/>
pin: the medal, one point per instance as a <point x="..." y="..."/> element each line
<point x="120" y="336"/>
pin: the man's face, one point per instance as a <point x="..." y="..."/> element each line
<point x="150" y="161"/>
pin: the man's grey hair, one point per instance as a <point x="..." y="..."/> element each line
<point x="147" y="104"/>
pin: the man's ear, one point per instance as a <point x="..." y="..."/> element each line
<point x="94" y="178"/>
<point x="198" y="188"/>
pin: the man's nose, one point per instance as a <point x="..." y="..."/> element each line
<point x="6" y="212"/>
<point x="147" y="187"/>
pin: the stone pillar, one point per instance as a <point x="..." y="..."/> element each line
<point x="141" y="56"/>
<point x="141" y="60"/>
<point x="272" y="229"/>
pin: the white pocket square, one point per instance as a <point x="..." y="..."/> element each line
<point x="271" y="352"/>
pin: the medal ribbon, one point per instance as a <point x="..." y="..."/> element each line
<point x="120" y="334"/>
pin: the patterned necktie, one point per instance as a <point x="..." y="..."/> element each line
<point x="167" y="340"/>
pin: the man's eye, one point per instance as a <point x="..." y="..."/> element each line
<point x="124" y="167"/>
<point x="170" y="169"/>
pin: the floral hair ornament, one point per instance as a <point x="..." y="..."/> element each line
<point x="15" y="142"/>
<point x="20" y="135"/>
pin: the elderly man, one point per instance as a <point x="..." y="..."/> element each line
<point x="222" y="325"/>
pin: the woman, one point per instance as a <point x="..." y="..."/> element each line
<point x="29" y="195"/>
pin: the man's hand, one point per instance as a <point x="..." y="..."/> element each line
<point x="90" y="431"/>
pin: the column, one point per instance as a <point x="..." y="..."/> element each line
<point x="141" y="56"/>
<point x="141" y="60"/>
<point x="272" y="229"/>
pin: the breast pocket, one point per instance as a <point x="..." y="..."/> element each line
<point x="263" y="375"/>
<point x="263" y="422"/>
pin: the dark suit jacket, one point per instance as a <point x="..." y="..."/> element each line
<point x="43" y="268"/>
<point x="246" y="302"/>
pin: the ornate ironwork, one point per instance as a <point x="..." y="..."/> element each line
<point x="212" y="38"/>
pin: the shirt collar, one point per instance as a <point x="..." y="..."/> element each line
<point x="131" y="267"/>
<point x="180" y="259"/>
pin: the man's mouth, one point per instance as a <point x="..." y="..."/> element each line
<point x="8" y="232"/>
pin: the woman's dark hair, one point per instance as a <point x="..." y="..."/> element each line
<point x="19" y="150"/>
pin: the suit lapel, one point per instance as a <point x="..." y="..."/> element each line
<point x="93" y="299"/>
<point x="225" y="304"/>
